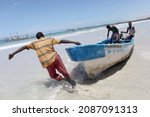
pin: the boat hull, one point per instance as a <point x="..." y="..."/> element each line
<point x="99" y="57"/>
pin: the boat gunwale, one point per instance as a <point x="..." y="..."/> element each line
<point x="104" y="45"/>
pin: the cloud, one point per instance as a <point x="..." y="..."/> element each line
<point x="16" y="4"/>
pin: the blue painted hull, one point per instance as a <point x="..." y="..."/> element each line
<point x="98" y="57"/>
<point x="94" y="51"/>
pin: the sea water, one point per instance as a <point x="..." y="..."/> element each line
<point x="24" y="78"/>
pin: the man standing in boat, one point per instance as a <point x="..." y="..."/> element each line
<point x="130" y="31"/>
<point x="115" y="34"/>
<point x="48" y="57"/>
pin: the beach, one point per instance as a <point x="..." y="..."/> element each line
<point x="23" y="78"/>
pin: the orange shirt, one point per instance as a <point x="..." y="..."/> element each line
<point x="45" y="50"/>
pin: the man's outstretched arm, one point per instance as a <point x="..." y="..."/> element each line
<point x="17" y="51"/>
<point x="126" y="31"/>
<point x="67" y="41"/>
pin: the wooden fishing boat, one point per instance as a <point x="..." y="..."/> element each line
<point x="96" y="58"/>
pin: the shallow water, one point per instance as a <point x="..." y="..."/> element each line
<point x="24" y="78"/>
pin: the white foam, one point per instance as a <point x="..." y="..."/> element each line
<point x="143" y="21"/>
<point x="145" y="55"/>
<point x="80" y="32"/>
<point x="54" y="92"/>
<point x="66" y="35"/>
<point x="14" y="45"/>
<point x="121" y="25"/>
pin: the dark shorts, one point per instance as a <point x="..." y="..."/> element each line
<point x="130" y="37"/>
<point x="115" y="38"/>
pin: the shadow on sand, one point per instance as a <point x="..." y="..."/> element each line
<point x="80" y="75"/>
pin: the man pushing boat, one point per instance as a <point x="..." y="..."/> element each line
<point x="115" y="34"/>
<point x="48" y="57"/>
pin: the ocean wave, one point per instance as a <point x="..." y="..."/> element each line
<point x="69" y="34"/>
<point x="14" y="45"/>
<point x="79" y="32"/>
<point x="66" y="35"/>
<point x="143" y="21"/>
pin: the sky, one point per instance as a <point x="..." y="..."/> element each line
<point x="31" y="16"/>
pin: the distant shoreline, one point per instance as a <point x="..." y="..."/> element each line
<point x="136" y="20"/>
<point x="71" y="30"/>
